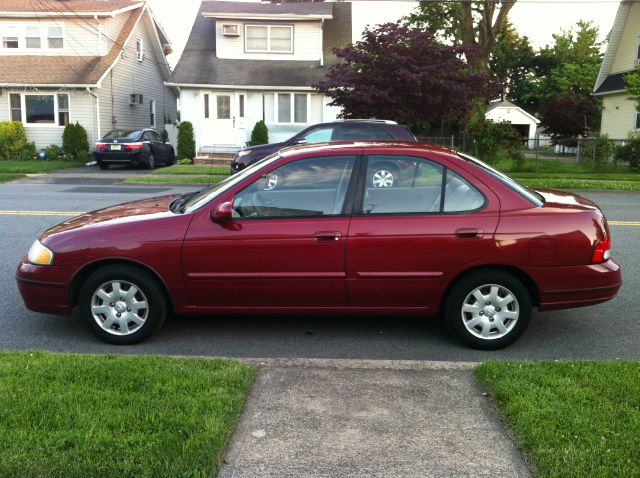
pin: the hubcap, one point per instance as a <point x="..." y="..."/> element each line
<point x="383" y="179"/>
<point x="119" y="307"/>
<point x="272" y="182"/>
<point x="490" y="311"/>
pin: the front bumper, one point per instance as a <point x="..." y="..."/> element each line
<point x="577" y="286"/>
<point x="44" y="288"/>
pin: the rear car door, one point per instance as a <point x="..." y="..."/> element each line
<point x="285" y="245"/>
<point x="156" y="145"/>
<point x="405" y="238"/>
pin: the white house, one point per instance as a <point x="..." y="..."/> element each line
<point x="245" y="62"/>
<point x="97" y="62"/>
<point x="619" y="114"/>
<point x="525" y="123"/>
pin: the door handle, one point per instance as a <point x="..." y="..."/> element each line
<point x="327" y="236"/>
<point x="468" y="233"/>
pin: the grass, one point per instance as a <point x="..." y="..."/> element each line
<point x="175" y="179"/>
<point x="9" y="177"/>
<point x="116" y="416"/>
<point x="562" y="183"/>
<point x="573" y="419"/>
<point x="190" y="169"/>
<point x="30" y="167"/>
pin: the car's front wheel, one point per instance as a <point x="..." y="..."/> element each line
<point x="122" y="304"/>
<point x="488" y="309"/>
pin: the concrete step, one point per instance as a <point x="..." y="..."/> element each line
<point x="217" y="161"/>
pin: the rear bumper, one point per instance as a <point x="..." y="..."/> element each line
<point x="44" y="288"/>
<point x="119" y="157"/>
<point x="577" y="286"/>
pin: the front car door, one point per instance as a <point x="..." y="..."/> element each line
<point x="284" y="247"/>
<point x="409" y="234"/>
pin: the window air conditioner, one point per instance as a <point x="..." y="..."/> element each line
<point x="135" y="99"/>
<point x="231" y="30"/>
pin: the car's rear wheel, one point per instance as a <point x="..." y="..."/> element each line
<point x="122" y="304"/>
<point x="151" y="161"/>
<point x="488" y="309"/>
<point x="172" y="158"/>
<point x="103" y="165"/>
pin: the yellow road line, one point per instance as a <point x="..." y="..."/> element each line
<point x="624" y="223"/>
<point x="40" y="213"/>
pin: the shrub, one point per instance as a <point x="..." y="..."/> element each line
<point x="53" y="151"/>
<point x="260" y="134"/>
<point x="599" y="151"/>
<point x="491" y="138"/>
<point x="12" y="139"/>
<point x="185" y="161"/>
<point x="75" y="142"/>
<point x="27" y="153"/>
<point x="629" y="152"/>
<point x="186" y="143"/>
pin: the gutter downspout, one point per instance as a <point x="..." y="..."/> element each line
<point x="97" y="110"/>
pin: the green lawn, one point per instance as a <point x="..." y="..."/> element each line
<point x="9" y="177"/>
<point x="192" y="169"/>
<point x="176" y="179"/>
<point x="28" y="167"/>
<point x="571" y="418"/>
<point x="116" y="416"/>
<point x="562" y="183"/>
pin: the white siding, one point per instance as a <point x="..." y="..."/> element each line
<point x="307" y="42"/>
<point x="132" y="76"/>
<point x="80" y="110"/>
<point x="80" y="37"/>
<point x="110" y="29"/>
<point x="625" y="55"/>
<point x="513" y="116"/>
<point x="618" y="116"/>
<point x="191" y="109"/>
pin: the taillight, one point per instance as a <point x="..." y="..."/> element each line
<point x="602" y="252"/>
<point x="101" y="146"/>
<point x="133" y="146"/>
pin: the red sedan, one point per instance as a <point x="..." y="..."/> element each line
<point x="313" y="229"/>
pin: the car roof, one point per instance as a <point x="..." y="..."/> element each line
<point x="391" y="145"/>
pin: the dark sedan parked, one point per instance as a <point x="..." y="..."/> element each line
<point x="349" y="130"/>
<point x="141" y="147"/>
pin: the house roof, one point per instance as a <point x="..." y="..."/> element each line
<point x="250" y="9"/>
<point x="507" y="104"/>
<point x="199" y="66"/>
<point x="612" y="83"/>
<point x="59" y="70"/>
<point x="614" y="39"/>
<point x="14" y="8"/>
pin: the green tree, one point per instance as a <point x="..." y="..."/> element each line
<point x="491" y="138"/>
<point x="632" y="86"/>
<point x="75" y="142"/>
<point x="464" y="22"/>
<point x="186" y="141"/>
<point x="260" y="134"/>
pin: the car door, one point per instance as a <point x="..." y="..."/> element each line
<point x="158" y="146"/>
<point x="405" y="239"/>
<point x="285" y="245"/>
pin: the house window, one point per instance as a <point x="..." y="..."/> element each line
<point x="269" y="38"/>
<point x="206" y="105"/>
<point x="297" y="114"/>
<point x="63" y="110"/>
<point x="16" y="107"/>
<point x="139" y="50"/>
<point x="223" y="104"/>
<point x="152" y="113"/>
<point x="40" y="109"/>
<point x="241" y="106"/>
<point x="55" y="38"/>
<point x="637" y="120"/>
<point x="10" y="37"/>
<point x="32" y="36"/>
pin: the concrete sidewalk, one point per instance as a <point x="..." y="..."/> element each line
<point x="319" y="418"/>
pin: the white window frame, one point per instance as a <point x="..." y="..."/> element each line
<point x="268" y="50"/>
<point x="9" y="31"/>
<point x="11" y="108"/>
<point x="21" y="33"/>
<point x="56" y="111"/>
<point x="140" y="49"/>
<point x="62" y="36"/>
<point x="292" y="110"/>
<point x="152" y="113"/>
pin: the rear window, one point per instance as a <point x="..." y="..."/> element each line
<point x="131" y="135"/>
<point x="532" y="196"/>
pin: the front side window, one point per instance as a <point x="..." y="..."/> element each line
<point x="16" y="107"/>
<point x="40" y="109"/>
<point x="269" y="38"/>
<point x="304" y="188"/>
<point x="63" y="110"/>
<point x="55" y="37"/>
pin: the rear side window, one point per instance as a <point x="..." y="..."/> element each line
<point x="412" y="185"/>
<point x="361" y="132"/>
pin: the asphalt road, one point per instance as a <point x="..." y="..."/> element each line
<point x="610" y="330"/>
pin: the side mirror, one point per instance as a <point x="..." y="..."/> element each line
<point x="222" y="212"/>
<point x="300" y="141"/>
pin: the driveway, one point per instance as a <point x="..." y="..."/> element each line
<point x="610" y="330"/>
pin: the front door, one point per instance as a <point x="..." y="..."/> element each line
<point x="284" y="247"/>
<point x="218" y="122"/>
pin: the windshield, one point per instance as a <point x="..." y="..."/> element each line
<point x="197" y="200"/>
<point x="532" y="196"/>
<point x="132" y="135"/>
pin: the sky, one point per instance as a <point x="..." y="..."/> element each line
<point x="537" y="19"/>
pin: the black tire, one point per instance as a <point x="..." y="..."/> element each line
<point x="151" y="161"/>
<point x="461" y="323"/>
<point x="150" y="290"/>
<point x="102" y="165"/>
<point x="172" y="158"/>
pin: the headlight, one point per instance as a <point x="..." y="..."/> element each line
<point x="242" y="153"/>
<point x="39" y="254"/>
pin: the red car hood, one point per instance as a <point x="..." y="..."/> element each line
<point x="120" y="214"/>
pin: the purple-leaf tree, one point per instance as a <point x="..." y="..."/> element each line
<point x="401" y="73"/>
<point x="566" y="116"/>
